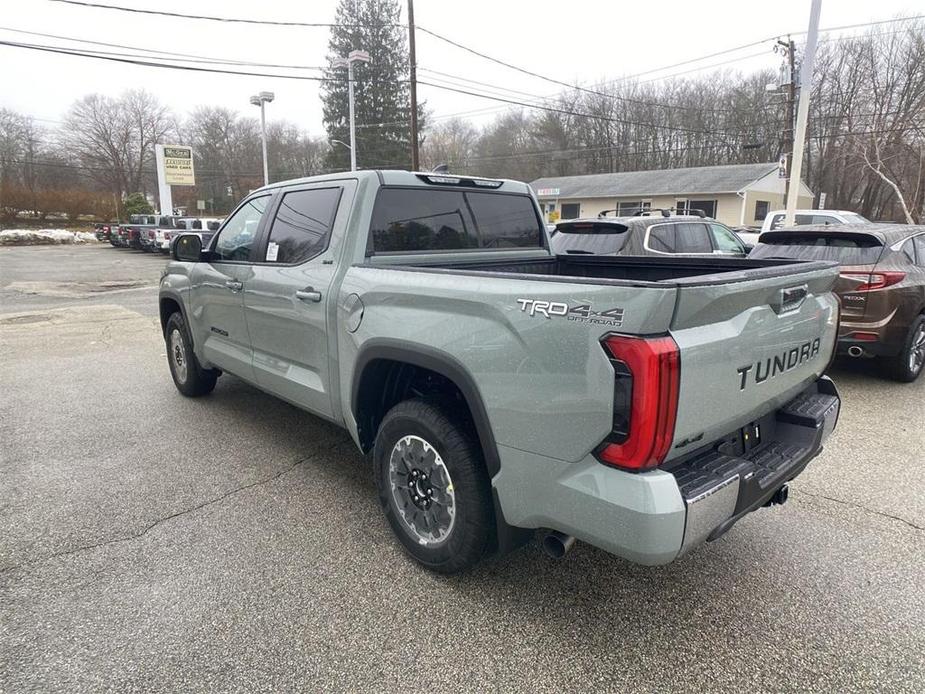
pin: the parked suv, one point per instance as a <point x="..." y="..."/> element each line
<point x="775" y="219"/>
<point x="882" y="286"/>
<point x="646" y="234"/>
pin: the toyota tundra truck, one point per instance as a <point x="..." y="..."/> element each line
<point x="640" y="404"/>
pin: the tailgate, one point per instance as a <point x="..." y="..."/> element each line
<point x="749" y="343"/>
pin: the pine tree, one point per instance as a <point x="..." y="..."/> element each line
<point x="382" y="98"/>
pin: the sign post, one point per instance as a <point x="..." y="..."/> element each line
<point x="174" y="168"/>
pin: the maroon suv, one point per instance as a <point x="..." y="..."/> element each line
<point x="881" y="288"/>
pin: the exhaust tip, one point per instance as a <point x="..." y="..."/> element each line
<point x="855" y="351"/>
<point x="557" y="544"/>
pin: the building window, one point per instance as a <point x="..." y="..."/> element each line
<point x="708" y="207"/>
<point x="762" y="207"/>
<point x="570" y="210"/>
<point x="629" y="208"/>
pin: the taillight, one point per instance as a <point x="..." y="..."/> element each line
<point x="646" y="381"/>
<point x="874" y="280"/>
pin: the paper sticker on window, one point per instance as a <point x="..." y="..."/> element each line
<point x="272" y="252"/>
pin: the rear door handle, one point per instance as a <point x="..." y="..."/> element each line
<point x="234" y="285"/>
<point x="308" y="294"/>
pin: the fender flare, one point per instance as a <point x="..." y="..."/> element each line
<point x="439" y="362"/>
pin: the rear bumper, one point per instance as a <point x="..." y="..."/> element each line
<point x="655" y="517"/>
<point x="883" y="338"/>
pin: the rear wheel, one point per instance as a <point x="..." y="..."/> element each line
<point x="433" y="486"/>
<point x="909" y="363"/>
<point x="188" y="376"/>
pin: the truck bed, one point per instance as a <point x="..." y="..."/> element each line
<point x="623" y="270"/>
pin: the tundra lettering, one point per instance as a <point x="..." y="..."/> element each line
<point x="781" y="363"/>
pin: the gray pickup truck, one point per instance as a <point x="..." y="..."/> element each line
<point x="642" y="405"/>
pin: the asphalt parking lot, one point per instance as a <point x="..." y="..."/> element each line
<point x="234" y="543"/>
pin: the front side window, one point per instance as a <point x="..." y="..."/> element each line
<point x="236" y="239"/>
<point x="724" y="240"/>
<point x="302" y="225"/>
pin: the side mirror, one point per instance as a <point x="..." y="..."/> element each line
<point x="749" y="247"/>
<point x="187" y="248"/>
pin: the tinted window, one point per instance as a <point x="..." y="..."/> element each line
<point x="302" y="225"/>
<point x="663" y="238"/>
<point x="237" y="237"/>
<point x="693" y="237"/>
<point x="724" y="240"/>
<point x="589" y="237"/>
<point x="424" y="219"/>
<point x="847" y="249"/>
<point x="920" y="248"/>
<point x="197" y="224"/>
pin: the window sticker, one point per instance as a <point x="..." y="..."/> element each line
<point x="272" y="252"/>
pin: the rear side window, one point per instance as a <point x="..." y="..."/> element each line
<point x="681" y="237"/>
<point x="302" y="225"/>
<point x="663" y="239"/>
<point x="845" y="248"/>
<point x="920" y="248"/>
<point x="908" y="250"/>
<point x="422" y="219"/>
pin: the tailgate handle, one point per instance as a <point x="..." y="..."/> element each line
<point x="791" y="298"/>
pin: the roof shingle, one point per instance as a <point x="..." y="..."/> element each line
<point x="701" y="179"/>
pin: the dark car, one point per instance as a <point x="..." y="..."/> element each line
<point x="646" y="234"/>
<point x="103" y="230"/>
<point x="881" y="287"/>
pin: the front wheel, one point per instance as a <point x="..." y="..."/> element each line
<point x="908" y="364"/>
<point x="433" y="486"/>
<point x="188" y="376"/>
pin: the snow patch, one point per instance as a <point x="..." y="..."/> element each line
<point x="35" y="237"/>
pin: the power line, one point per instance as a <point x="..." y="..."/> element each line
<point x="113" y="57"/>
<point x="211" y="18"/>
<point x="178" y="56"/>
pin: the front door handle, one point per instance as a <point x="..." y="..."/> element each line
<point x="308" y="294"/>
<point x="234" y="285"/>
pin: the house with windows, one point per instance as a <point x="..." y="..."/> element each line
<point x="735" y="194"/>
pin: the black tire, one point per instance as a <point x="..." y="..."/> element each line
<point x="470" y="531"/>
<point x="193" y="381"/>
<point x="907" y="366"/>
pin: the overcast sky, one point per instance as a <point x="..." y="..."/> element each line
<point x="574" y="40"/>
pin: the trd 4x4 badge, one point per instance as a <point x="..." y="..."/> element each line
<point x="581" y="313"/>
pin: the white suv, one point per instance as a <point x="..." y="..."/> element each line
<point x="775" y="220"/>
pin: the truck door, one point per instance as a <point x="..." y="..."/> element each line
<point x="217" y="291"/>
<point x="289" y="301"/>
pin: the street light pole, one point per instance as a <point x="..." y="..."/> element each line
<point x="261" y="100"/>
<point x="353" y="138"/>
<point x="352" y="57"/>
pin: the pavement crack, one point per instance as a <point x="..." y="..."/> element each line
<point x="193" y="509"/>
<point x="862" y="507"/>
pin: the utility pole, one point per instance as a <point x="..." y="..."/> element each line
<point x="806" y="90"/>
<point x="415" y="163"/>
<point x="787" y="150"/>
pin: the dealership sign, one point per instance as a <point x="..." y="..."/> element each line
<point x="547" y="192"/>
<point x="178" y="166"/>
